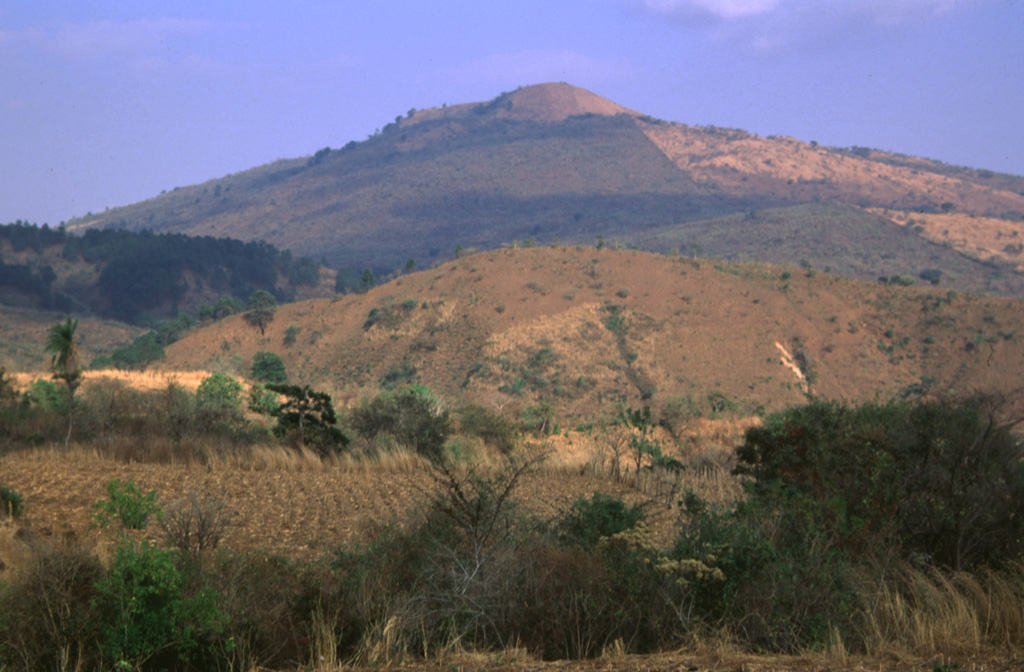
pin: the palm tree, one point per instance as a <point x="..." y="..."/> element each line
<point x="61" y="341"/>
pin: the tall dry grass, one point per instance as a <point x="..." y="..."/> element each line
<point x="914" y="611"/>
<point x="143" y="381"/>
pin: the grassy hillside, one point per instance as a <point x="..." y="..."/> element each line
<point x="582" y="330"/>
<point x="554" y="162"/>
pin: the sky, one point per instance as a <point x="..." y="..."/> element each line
<point x="108" y="103"/>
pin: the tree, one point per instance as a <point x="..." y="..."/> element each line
<point x="310" y="414"/>
<point x="367" y="281"/>
<point x="268" y="367"/>
<point x="219" y="392"/>
<point x="226" y="305"/>
<point x="410" y="265"/>
<point x="61" y="342"/>
<point x="262" y="306"/>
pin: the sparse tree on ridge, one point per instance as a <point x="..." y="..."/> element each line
<point x="261" y="308"/>
<point x="62" y="343"/>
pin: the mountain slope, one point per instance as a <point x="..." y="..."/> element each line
<point x="556" y="162"/>
<point x="584" y="329"/>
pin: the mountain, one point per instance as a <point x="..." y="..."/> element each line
<point x="555" y="162"/>
<point x="574" y="330"/>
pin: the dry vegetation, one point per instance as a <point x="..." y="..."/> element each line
<point x="298" y="506"/>
<point x="584" y="329"/>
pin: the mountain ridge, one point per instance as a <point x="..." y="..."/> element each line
<point x="556" y="162"/>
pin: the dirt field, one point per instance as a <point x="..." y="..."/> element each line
<point x="300" y="508"/>
<point x="294" y="507"/>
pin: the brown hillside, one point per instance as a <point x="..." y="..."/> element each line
<point x="542" y="102"/>
<point x="23" y="337"/>
<point x="738" y="162"/>
<point x="586" y="329"/>
<point x="554" y="162"/>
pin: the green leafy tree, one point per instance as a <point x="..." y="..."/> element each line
<point x="261" y="308"/>
<point x="62" y="343"/>
<point x="219" y="391"/>
<point x="410" y="265"/>
<point x="310" y="416"/>
<point x="268" y="367"/>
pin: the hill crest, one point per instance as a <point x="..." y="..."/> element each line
<point x="543" y="103"/>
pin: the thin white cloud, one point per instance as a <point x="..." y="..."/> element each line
<point x="98" y="38"/>
<point x="539" y="65"/>
<point x="767" y="25"/>
<point x="722" y="9"/>
<point x="883" y="12"/>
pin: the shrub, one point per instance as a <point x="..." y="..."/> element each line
<point x="771" y="569"/>
<point x="268" y="367"/>
<point x="412" y="417"/>
<point x="539" y="418"/>
<point x="195" y="524"/>
<point x="146" y="608"/>
<point x="143" y="350"/>
<point x="126" y="504"/>
<point x="590" y="520"/>
<point x="219" y="391"/>
<point x="264" y="602"/>
<point x="939" y="481"/>
<point x="263" y="401"/>
<point x="46" y="621"/>
<point x="493" y="428"/>
<point x="46" y="394"/>
<point x="12" y="502"/>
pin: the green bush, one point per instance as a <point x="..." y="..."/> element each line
<point x="219" y="391"/>
<point x="600" y="516"/>
<point x="148" y="612"/>
<point x="772" y="569"/>
<point x="126" y="504"/>
<point x="263" y="401"/>
<point x="412" y="417"/>
<point x="143" y="350"/>
<point x="268" y="367"/>
<point x="12" y="502"/>
<point x="46" y="394"/>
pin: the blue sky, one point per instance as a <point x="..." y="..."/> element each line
<point x="107" y="103"/>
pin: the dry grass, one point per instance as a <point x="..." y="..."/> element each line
<point x="923" y="611"/>
<point x="140" y="380"/>
<point x="690" y="329"/>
